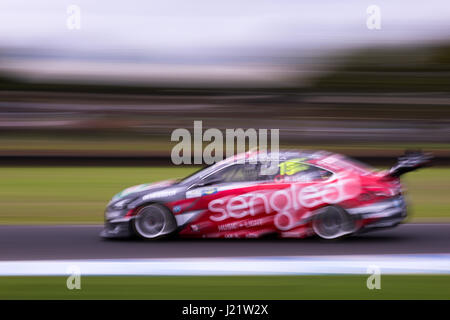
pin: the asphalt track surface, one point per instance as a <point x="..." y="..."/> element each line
<point x="83" y="242"/>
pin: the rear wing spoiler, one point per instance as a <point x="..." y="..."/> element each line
<point x="410" y="161"/>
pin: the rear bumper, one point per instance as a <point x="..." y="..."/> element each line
<point x="383" y="214"/>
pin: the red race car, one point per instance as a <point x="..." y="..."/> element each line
<point x="292" y="194"/>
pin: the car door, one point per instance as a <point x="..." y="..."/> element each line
<point x="286" y="192"/>
<point x="218" y="197"/>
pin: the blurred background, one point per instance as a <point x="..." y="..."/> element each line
<point x="103" y="83"/>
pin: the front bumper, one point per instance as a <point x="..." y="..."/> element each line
<point x="117" y="225"/>
<point x="382" y="214"/>
<point x="117" y="230"/>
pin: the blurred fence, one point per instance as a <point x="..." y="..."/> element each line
<point x="368" y="104"/>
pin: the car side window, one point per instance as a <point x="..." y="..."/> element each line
<point x="268" y="170"/>
<point x="235" y="173"/>
<point x="313" y="173"/>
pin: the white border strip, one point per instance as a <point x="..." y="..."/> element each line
<point x="288" y="265"/>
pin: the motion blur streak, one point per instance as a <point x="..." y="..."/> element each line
<point x="82" y="242"/>
<point x="131" y="74"/>
<point x="354" y="264"/>
<point x="112" y="89"/>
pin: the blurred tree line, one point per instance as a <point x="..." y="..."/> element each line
<point x="387" y="69"/>
<point x="414" y="69"/>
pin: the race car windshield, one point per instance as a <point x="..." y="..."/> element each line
<point x="198" y="173"/>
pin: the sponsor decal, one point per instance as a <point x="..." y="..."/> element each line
<point x="207" y="192"/>
<point x="248" y="223"/>
<point x="290" y="204"/>
<point x="160" y="194"/>
<point x="305" y="177"/>
<point x="292" y="166"/>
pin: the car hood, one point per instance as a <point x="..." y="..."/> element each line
<point x="142" y="188"/>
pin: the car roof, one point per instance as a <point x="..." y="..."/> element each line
<point x="325" y="159"/>
<point x="333" y="162"/>
<point x="281" y="155"/>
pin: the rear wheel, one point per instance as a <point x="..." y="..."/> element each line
<point x="154" y="221"/>
<point x="333" y="222"/>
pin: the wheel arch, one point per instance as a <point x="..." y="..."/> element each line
<point x="143" y="205"/>
<point x="348" y="223"/>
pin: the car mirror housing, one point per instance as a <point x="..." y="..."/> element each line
<point x="208" y="182"/>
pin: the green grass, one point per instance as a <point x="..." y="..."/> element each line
<point x="40" y="195"/>
<point x="428" y="192"/>
<point x="231" y="287"/>
<point x="69" y="195"/>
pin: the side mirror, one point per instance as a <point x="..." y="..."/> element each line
<point x="208" y="182"/>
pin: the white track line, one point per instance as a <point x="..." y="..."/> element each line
<point x="286" y="265"/>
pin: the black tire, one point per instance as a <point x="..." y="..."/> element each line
<point x="333" y="222"/>
<point x="154" y="221"/>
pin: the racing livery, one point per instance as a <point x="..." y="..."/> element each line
<point x="292" y="194"/>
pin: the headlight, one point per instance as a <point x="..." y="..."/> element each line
<point x="109" y="215"/>
<point x="121" y="204"/>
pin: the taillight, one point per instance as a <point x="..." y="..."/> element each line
<point x="370" y="193"/>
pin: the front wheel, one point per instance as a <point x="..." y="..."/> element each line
<point x="333" y="222"/>
<point x="154" y="221"/>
